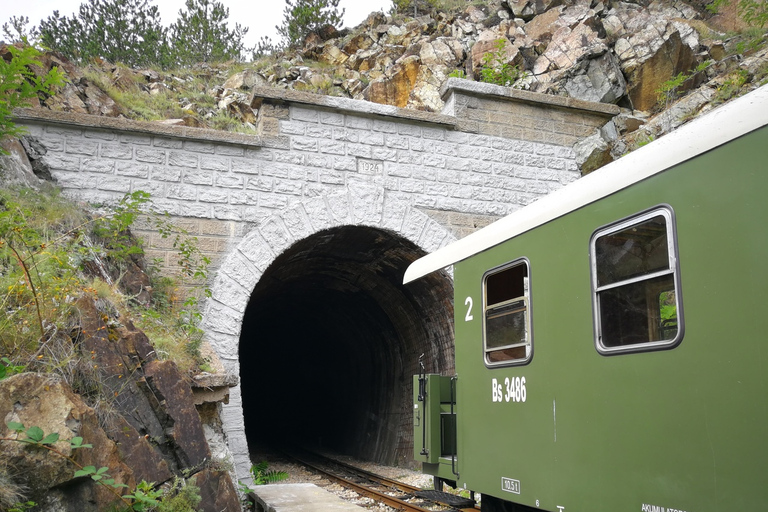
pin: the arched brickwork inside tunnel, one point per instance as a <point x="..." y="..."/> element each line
<point x="330" y="341"/>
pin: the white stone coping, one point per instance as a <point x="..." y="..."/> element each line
<point x="145" y="127"/>
<point x="349" y="105"/>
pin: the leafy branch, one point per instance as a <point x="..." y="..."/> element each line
<point x="144" y="495"/>
<point x="19" y="84"/>
<point x="35" y="436"/>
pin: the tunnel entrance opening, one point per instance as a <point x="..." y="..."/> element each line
<point x="331" y="338"/>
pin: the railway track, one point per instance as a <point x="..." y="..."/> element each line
<point x="398" y="495"/>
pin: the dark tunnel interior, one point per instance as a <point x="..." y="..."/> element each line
<point x="330" y="341"/>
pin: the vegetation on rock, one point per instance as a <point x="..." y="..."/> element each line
<point x="20" y="86"/>
<point x="52" y="253"/>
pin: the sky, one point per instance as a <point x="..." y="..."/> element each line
<point x="261" y="16"/>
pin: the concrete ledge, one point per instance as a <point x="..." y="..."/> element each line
<point x="146" y="127"/>
<point x="360" y="107"/>
<point x="299" y="498"/>
<point x="469" y="87"/>
<point x="212" y="387"/>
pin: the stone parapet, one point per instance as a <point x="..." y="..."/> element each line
<point x="111" y="124"/>
<point x="521" y="115"/>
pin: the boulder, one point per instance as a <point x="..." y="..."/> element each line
<point x="569" y="46"/>
<point x="527" y="9"/>
<point x="47" y="402"/>
<point x="599" y="79"/>
<point x="395" y="88"/>
<point x="647" y="71"/>
<point x="592" y="153"/>
<point x="246" y="80"/>
<point x="15" y="166"/>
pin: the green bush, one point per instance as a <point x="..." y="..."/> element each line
<point x="496" y="69"/>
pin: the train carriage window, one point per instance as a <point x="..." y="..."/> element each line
<point x="635" y="283"/>
<point x="506" y="315"/>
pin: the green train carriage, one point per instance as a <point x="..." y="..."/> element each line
<point x="612" y="338"/>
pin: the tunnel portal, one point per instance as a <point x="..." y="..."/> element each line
<point x="331" y="338"/>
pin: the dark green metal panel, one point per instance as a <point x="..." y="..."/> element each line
<point x="434" y="425"/>
<point x="681" y="429"/>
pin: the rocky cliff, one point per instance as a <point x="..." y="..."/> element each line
<point x="144" y="426"/>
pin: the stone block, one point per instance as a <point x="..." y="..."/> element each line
<point x="331" y="118"/>
<point x="229" y="181"/>
<point x="258" y="183"/>
<point x="196" y="177"/>
<point x="345" y="164"/>
<point x="332" y="147"/>
<point x="361" y="123"/>
<point x="115" y="185"/>
<point x="63" y="162"/>
<point x="293" y="188"/>
<point x="100" y="135"/>
<point x="227" y="212"/>
<point x="246" y="166"/>
<point x="289" y="157"/>
<point x="330" y="177"/>
<point x="304" y="144"/>
<point x="160" y="142"/>
<point x="99" y="166"/>
<point x="81" y="147"/>
<point x="359" y="151"/>
<point x="135" y="139"/>
<point x="229" y="150"/>
<point x="181" y="159"/>
<point x="151" y="156"/>
<point x="304" y="114"/>
<point x="346" y="135"/>
<point x="117" y="151"/>
<point x="165" y="174"/>
<point x="212" y="196"/>
<point x="212" y="163"/>
<point x="388" y="154"/>
<point x="199" y="147"/>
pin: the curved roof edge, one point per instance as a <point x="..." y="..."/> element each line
<point x="737" y="118"/>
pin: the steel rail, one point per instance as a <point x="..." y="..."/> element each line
<point x="362" y="489"/>
<point x="391" y="501"/>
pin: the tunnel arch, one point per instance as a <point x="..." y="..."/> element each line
<point x="332" y="338"/>
<point x="350" y="250"/>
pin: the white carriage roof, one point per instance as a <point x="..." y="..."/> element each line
<point x="722" y="125"/>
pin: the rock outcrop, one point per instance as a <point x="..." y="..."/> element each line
<point x="145" y="425"/>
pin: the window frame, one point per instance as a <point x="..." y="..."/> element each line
<point x="668" y="214"/>
<point x="528" y="315"/>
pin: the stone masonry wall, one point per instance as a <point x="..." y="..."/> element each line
<point x="463" y="179"/>
<point x="317" y="162"/>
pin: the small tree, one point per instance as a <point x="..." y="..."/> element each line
<point x="18" y="32"/>
<point x="200" y="34"/>
<point x="19" y="85"/>
<point x="127" y="31"/>
<point x="301" y="17"/>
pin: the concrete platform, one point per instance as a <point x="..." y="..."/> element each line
<point x="299" y="498"/>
